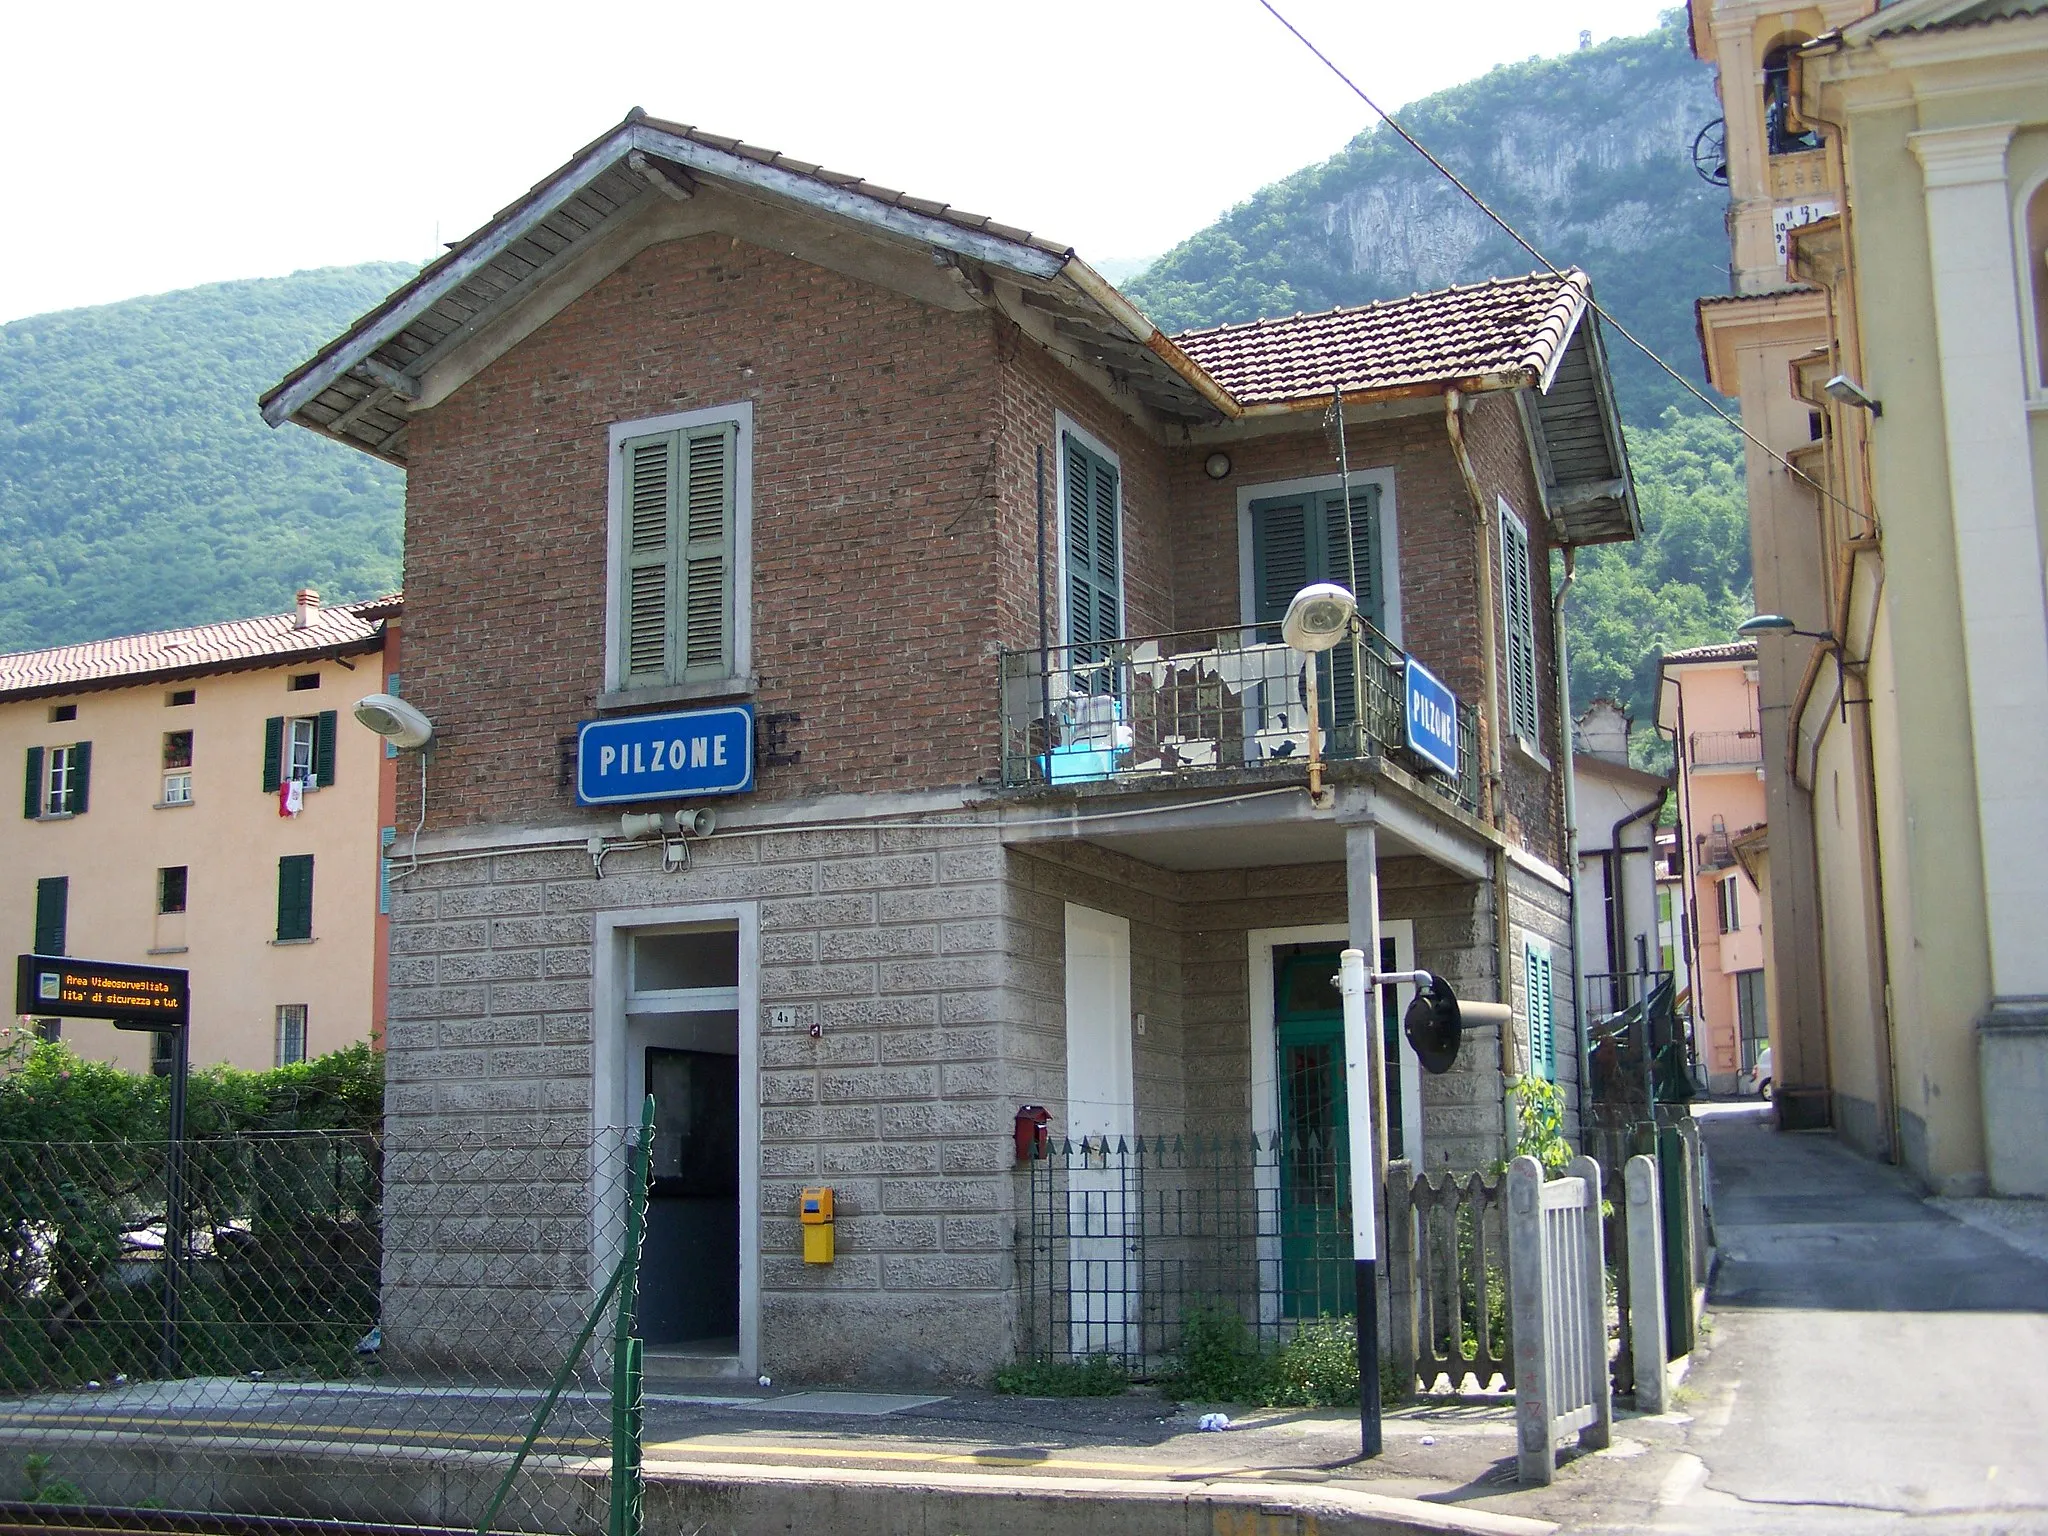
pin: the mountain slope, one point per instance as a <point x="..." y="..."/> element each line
<point x="1587" y="154"/>
<point x="140" y="489"/>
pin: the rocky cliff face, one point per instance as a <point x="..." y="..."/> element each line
<point x="1589" y="155"/>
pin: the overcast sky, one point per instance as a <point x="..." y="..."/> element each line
<point x="150" y="147"/>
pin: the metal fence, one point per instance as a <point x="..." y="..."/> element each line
<point x="1125" y="1240"/>
<point x="396" y="1329"/>
<point x="1142" y="706"/>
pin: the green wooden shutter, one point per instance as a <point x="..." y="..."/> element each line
<point x="705" y="581"/>
<point x="295" y="896"/>
<point x="32" y="789"/>
<point x="78" y="793"/>
<point x="1542" y="1014"/>
<point x="647" y="569"/>
<point x="273" y="753"/>
<point x="1094" y="604"/>
<point x="1518" y="607"/>
<point x="1365" y="551"/>
<point x="1281" y="556"/>
<point x="53" y="909"/>
<point x="324" y="725"/>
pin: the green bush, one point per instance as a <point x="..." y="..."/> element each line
<point x="1316" y="1368"/>
<point x="1097" y="1376"/>
<point x="1219" y="1360"/>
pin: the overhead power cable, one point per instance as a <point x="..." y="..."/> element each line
<point x="1548" y="265"/>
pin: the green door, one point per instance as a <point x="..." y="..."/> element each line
<point x="1315" y="1192"/>
<point x="1315" y="1121"/>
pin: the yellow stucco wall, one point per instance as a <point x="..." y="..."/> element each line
<point x="230" y="838"/>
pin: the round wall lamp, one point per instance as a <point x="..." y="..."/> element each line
<point x="395" y="720"/>
<point x="1217" y="465"/>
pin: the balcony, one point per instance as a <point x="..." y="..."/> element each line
<point x="1725" y="749"/>
<point x="1156" y="706"/>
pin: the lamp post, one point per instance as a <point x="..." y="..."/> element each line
<point x="1319" y="617"/>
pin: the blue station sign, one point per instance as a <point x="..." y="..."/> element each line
<point x="1431" y="712"/>
<point x="665" y="757"/>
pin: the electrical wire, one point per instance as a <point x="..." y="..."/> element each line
<point x="1549" y="266"/>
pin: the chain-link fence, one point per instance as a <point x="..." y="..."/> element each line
<point x="402" y="1328"/>
<point x="1126" y="1240"/>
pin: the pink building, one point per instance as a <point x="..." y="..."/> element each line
<point x="1707" y="703"/>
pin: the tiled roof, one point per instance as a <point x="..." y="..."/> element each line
<point x="1734" y="650"/>
<point x="1951" y="18"/>
<point x="233" y="645"/>
<point x="1487" y="331"/>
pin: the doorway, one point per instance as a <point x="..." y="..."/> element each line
<point x="682" y="1040"/>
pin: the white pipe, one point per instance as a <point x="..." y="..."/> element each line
<point x="1354" y="982"/>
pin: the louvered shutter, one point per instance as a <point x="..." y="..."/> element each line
<point x="324" y="725"/>
<point x="1093" y="575"/>
<point x="647" y="579"/>
<point x="1541" y="1012"/>
<point x="295" y="896"/>
<point x="32" y="786"/>
<point x="1281" y="557"/>
<point x="1365" y="551"/>
<point x="273" y="753"/>
<point x="1517" y="603"/>
<point x="53" y="908"/>
<point x="705" y="579"/>
<point x="78" y="793"/>
<point x="676" y="619"/>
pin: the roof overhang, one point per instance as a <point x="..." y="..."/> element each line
<point x="341" y="650"/>
<point x="362" y="387"/>
<point x="1576" y="440"/>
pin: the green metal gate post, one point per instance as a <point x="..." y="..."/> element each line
<point x="1674" y="1176"/>
<point x="627" y="1407"/>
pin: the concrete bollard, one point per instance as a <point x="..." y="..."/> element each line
<point x="1646" y="1283"/>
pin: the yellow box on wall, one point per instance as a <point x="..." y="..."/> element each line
<point x="814" y="1210"/>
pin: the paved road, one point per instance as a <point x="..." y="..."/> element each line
<point x="1874" y="1363"/>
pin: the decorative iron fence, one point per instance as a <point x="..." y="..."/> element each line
<point x="328" y="1326"/>
<point x="1124" y="1240"/>
<point x="1142" y="706"/>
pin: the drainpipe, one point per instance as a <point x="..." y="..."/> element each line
<point x="1495" y="806"/>
<point x="1571" y="825"/>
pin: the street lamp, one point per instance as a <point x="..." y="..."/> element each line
<point x="1319" y="617"/>
<point x="1777" y="624"/>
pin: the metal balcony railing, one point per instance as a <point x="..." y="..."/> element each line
<point x="1723" y="749"/>
<point x="1141" y="706"/>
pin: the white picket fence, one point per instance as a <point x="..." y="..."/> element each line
<point x="1557" y="1269"/>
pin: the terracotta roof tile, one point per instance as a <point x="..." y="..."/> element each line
<point x="1509" y="325"/>
<point x="230" y="645"/>
<point x="1734" y="650"/>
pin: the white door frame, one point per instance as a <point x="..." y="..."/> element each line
<point x="1265" y="1048"/>
<point x="1102" y="1240"/>
<point x="608" y="1069"/>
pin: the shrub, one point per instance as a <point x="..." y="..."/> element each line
<point x="1219" y="1360"/>
<point x="1316" y="1368"/>
<point x="1097" y="1376"/>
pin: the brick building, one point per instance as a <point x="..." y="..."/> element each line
<point x="692" y="426"/>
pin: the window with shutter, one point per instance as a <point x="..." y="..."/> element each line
<point x="1541" y="1011"/>
<point x="53" y="910"/>
<point x="273" y="754"/>
<point x="1299" y="539"/>
<point x="678" y="547"/>
<point x="324" y="725"/>
<point x="1518" y="611"/>
<point x="295" y="897"/>
<point x="32" y="787"/>
<point x="1092" y="512"/>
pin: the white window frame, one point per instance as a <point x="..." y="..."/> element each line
<point x="1065" y="426"/>
<point x="291" y="768"/>
<point x="1728" y="904"/>
<point x="290" y="1015"/>
<point x="1531" y="738"/>
<point x="59" y="764"/>
<point x="178" y="787"/>
<point x="741" y="414"/>
<point x="1390" y="537"/>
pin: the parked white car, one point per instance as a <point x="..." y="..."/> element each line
<point x="1758" y="1078"/>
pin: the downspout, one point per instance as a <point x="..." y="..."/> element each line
<point x="1571" y="824"/>
<point x="1495" y="804"/>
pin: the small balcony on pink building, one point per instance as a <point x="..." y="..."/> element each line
<point x="1725" y="749"/>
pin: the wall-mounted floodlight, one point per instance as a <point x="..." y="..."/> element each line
<point x="395" y="720"/>
<point x="1845" y="389"/>
<point x="1319" y="617"/>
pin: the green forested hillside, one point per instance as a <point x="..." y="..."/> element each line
<point x="1588" y="155"/>
<point x="140" y="489"/>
